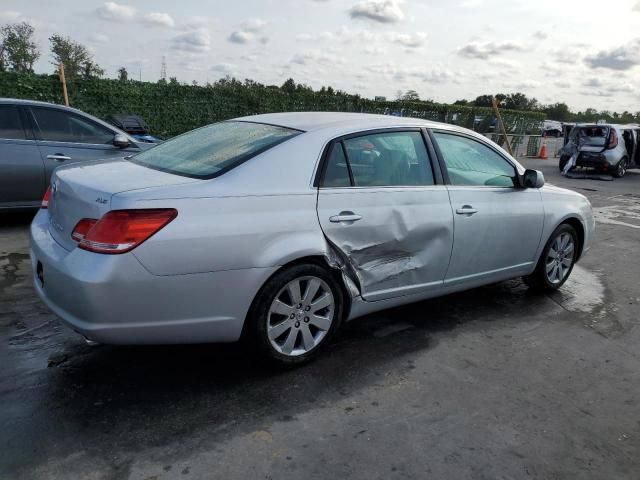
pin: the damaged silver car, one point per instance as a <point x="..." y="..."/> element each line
<point x="605" y="147"/>
<point x="279" y="227"/>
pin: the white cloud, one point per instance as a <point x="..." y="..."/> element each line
<point x="410" y="40"/>
<point x="224" y="68"/>
<point x="527" y="85"/>
<point x="10" y="16"/>
<point x="624" y="57"/>
<point x="471" y="3"/>
<point x="115" y="12"/>
<point x="98" y="38"/>
<point x="240" y="37"/>
<point x="253" y="25"/>
<point x="195" y="41"/>
<point x="483" y="50"/>
<point x="159" y="19"/>
<point x="382" y="11"/>
<point x="562" y="84"/>
<point x="317" y="56"/>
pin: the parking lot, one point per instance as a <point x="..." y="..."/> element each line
<point x="492" y="383"/>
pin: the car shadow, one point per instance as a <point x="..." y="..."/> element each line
<point x="153" y="395"/>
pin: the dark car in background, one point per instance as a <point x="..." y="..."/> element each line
<point x="36" y="137"/>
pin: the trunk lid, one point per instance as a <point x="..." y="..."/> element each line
<point x="85" y="190"/>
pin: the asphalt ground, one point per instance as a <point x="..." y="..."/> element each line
<point x="493" y="383"/>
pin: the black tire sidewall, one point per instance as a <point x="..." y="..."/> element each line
<point x="622" y="162"/>
<point x="260" y="310"/>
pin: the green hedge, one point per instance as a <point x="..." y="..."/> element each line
<point x="171" y="108"/>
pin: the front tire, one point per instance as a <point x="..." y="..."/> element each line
<point x="556" y="261"/>
<point x="296" y="314"/>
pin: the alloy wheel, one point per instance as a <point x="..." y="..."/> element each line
<point x="300" y="315"/>
<point x="622" y="167"/>
<point x="560" y="258"/>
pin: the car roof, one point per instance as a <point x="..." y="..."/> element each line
<point x="311" y="121"/>
<point x="20" y="101"/>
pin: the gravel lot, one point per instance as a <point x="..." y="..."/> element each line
<point x="491" y="383"/>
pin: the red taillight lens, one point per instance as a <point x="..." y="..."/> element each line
<point x="81" y="229"/>
<point x="120" y="231"/>
<point x="45" y="199"/>
<point x="613" y="139"/>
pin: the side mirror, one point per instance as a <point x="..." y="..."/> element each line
<point x="120" y="140"/>
<point x="532" y="179"/>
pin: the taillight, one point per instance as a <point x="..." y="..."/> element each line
<point x="120" y="231"/>
<point x="613" y="139"/>
<point x="81" y="229"/>
<point x="45" y="199"/>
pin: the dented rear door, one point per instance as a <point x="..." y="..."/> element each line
<point x="382" y="212"/>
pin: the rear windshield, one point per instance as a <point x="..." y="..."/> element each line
<point x="212" y="150"/>
<point x="593" y="135"/>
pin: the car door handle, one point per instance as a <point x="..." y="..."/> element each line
<point x="345" y="217"/>
<point x="466" y="210"/>
<point x="59" y="157"/>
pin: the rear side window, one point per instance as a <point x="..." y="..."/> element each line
<point x="212" y="150"/>
<point x="10" y="124"/>
<point x="61" y="126"/>
<point x="382" y="159"/>
<point x="337" y="171"/>
<point x="471" y="163"/>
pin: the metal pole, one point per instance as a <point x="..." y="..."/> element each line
<point x="64" y="83"/>
<point x="502" y="129"/>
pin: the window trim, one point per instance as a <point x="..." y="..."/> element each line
<point x="38" y="132"/>
<point x="22" y="126"/>
<point x="324" y="160"/>
<point x="443" y="165"/>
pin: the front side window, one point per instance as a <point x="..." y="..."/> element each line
<point x="62" y="126"/>
<point x="471" y="163"/>
<point x="389" y="159"/>
<point x="214" y="149"/>
<point x="10" y="124"/>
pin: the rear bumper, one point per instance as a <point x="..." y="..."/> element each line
<point x="592" y="160"/>
<point x="114" y="299"/>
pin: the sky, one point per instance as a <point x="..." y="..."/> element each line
<point x="585" y="53"/>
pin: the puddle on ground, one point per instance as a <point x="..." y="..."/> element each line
<point x="582" y="293"/>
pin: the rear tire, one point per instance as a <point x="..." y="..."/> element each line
<point x="296" y="314"/>
<point x="620" y="170"/>
<point x="556" y="261"/>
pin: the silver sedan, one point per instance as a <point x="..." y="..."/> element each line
<point x="279" y="227"/>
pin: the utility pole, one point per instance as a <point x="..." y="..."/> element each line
<point x="163" y="69"/>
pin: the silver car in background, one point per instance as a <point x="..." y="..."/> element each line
<point x="279" y="227"/>
<point x="37" y="137"/>
<point x="607" y="147"/>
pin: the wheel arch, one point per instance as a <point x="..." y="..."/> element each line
<point x="314" y="259"/>
<point x="577" y="225"/>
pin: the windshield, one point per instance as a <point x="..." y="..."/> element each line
<point x="212" y="150"/>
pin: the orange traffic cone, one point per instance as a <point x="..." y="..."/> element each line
<point x="543" y="151"/>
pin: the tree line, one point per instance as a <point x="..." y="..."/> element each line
<point x="556" y="111"/>
<point x="19" y="52"/>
